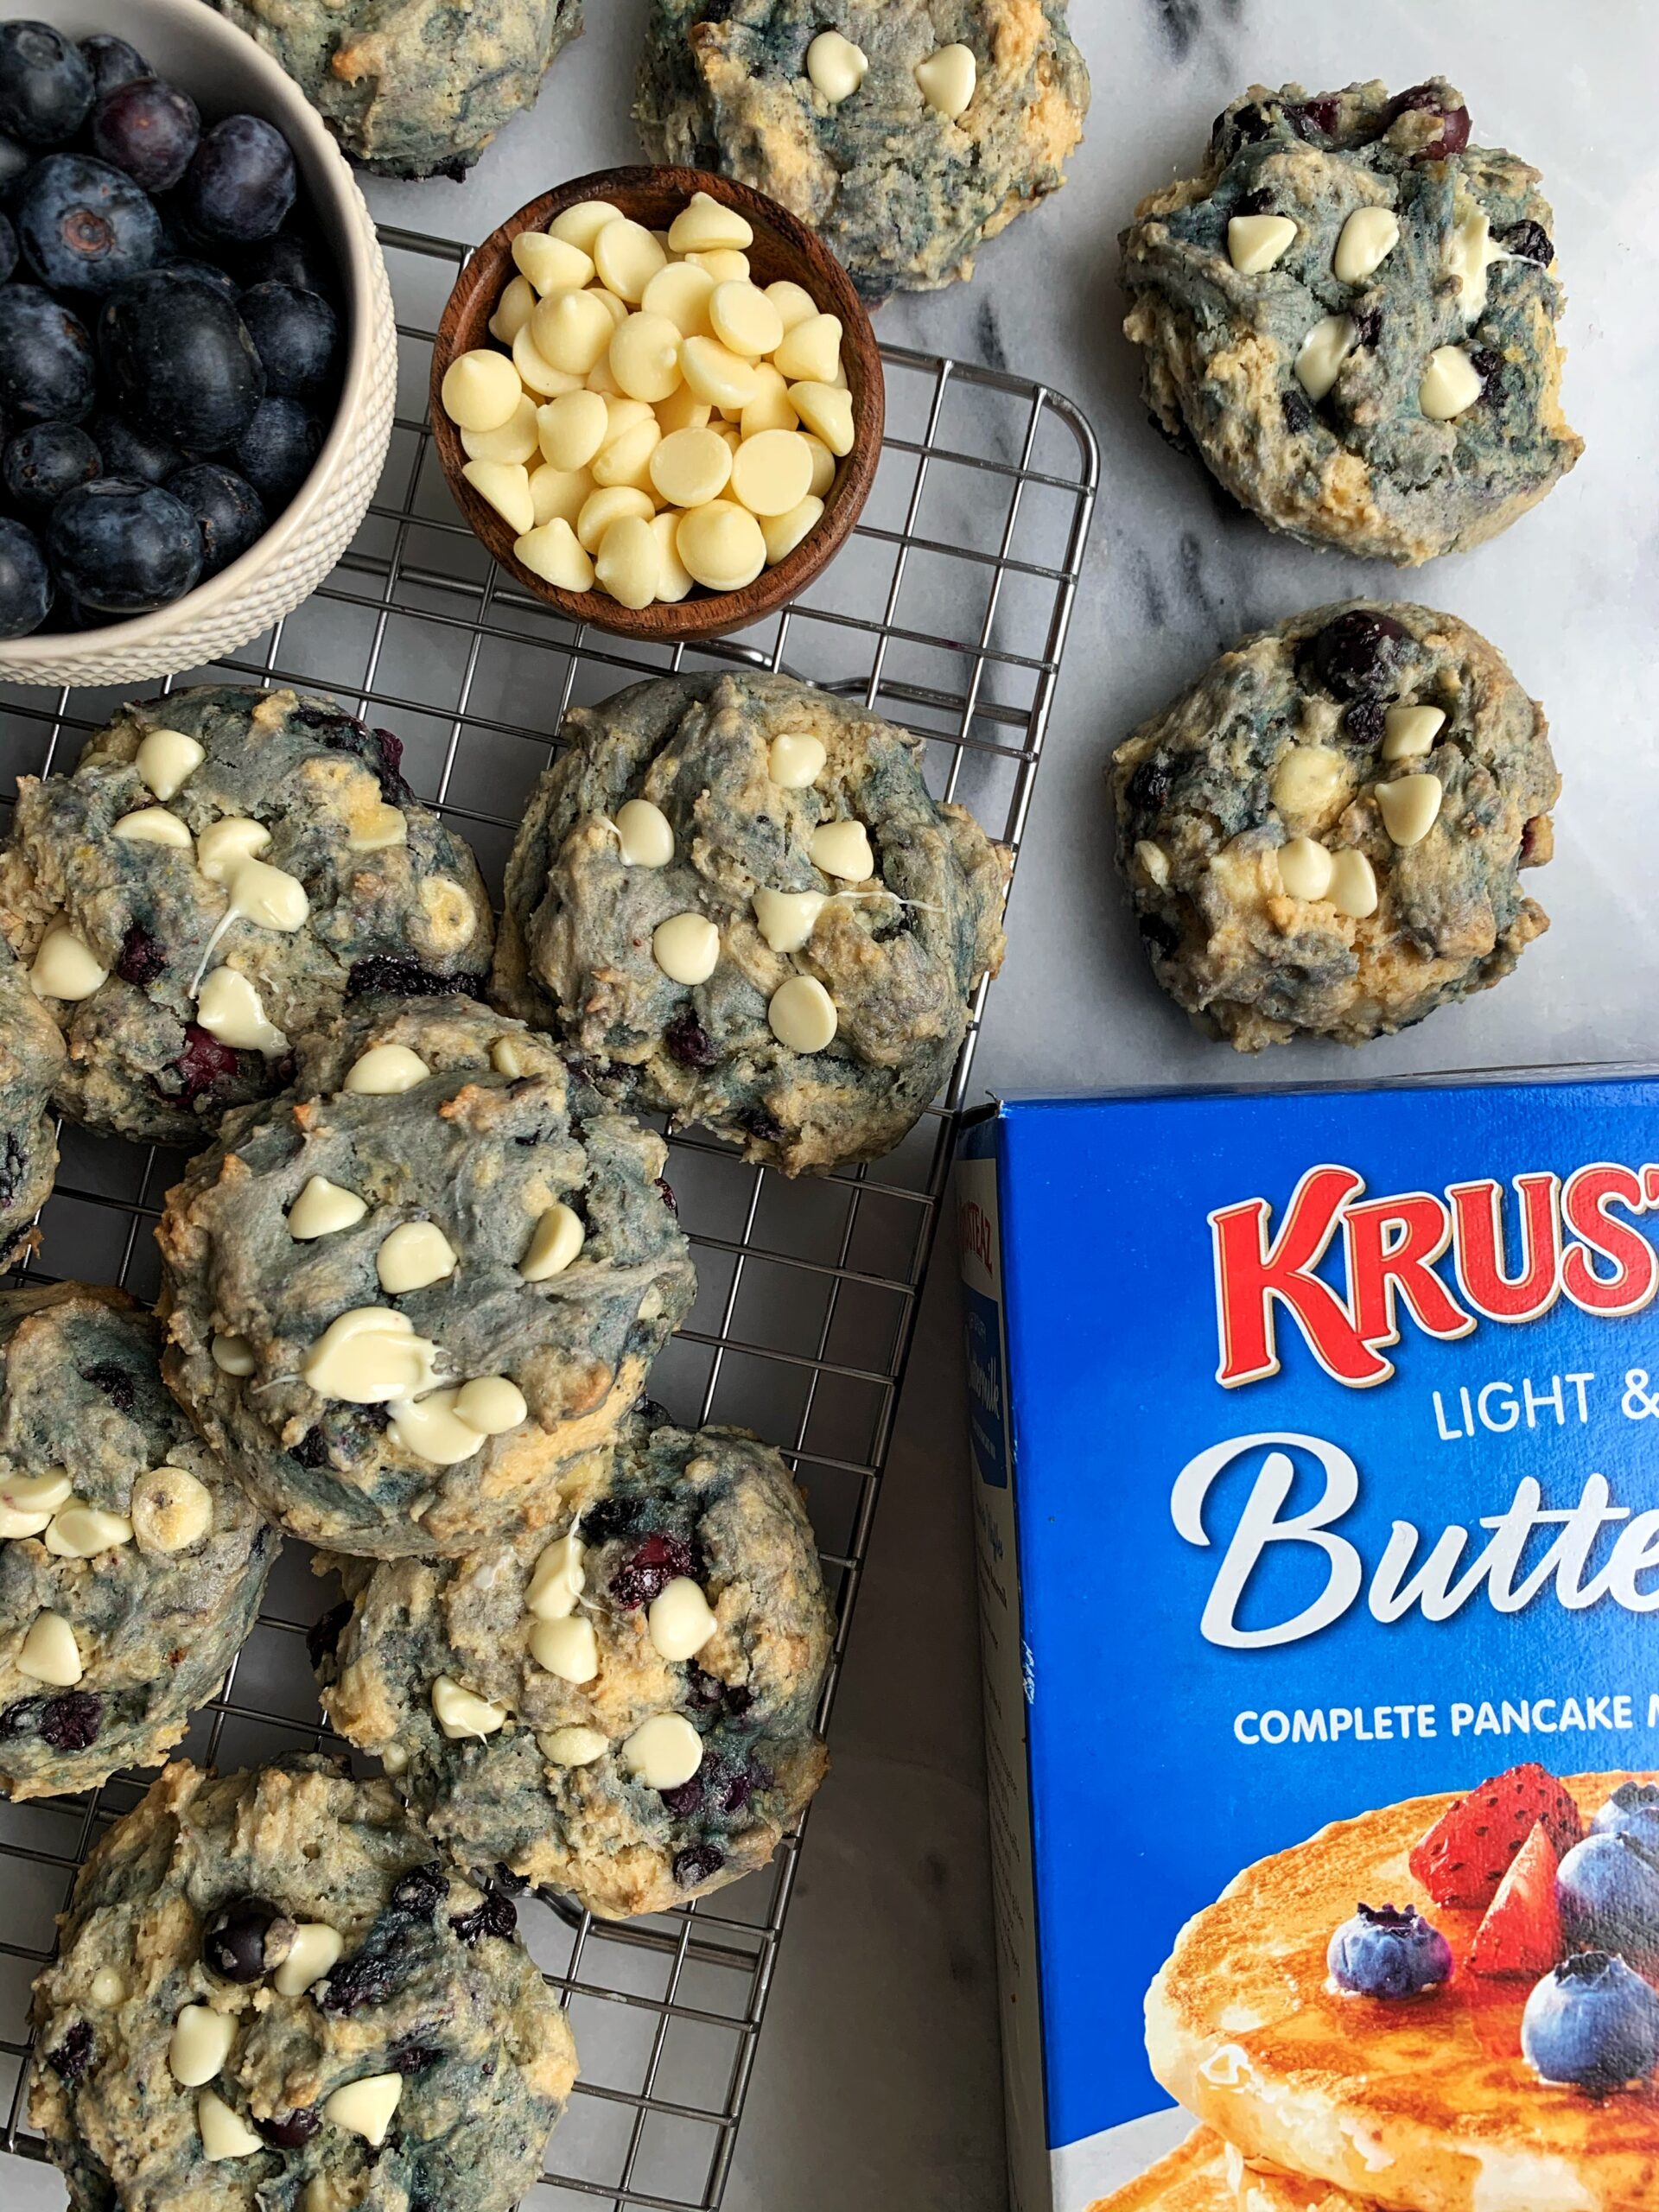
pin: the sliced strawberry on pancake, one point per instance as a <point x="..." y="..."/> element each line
<point x="1464" y="1856"/>
<point x="1522" y="1932"/>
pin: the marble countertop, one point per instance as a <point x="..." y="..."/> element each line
<point x="877" y="2082"/>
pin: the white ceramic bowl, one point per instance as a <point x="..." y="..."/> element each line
<point x="225" y="74"/>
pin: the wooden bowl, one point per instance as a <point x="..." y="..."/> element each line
<point x="783" y="247"/>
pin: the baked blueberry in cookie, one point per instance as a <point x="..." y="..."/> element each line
<point x="131" y="1566"/>
<point x="31" y="1055"/>
<point x="222" y="870"/>
<point x="268" y="1992"/>
<point x="620" y="1705"/>
<point x="1323" y="836"/>
<point x="412" y="88"/>
<point x="402" y="1295"/>
<point x="736" y="896"/>
<point x="907" y="132"/>
<point x="1350" y="314"/>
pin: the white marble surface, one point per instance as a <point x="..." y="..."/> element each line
<point x="876" y="2081"/>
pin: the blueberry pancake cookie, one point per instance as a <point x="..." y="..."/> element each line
<point x="736" y="894"/>
<point x="224" y="868"/>
<point x="1351" y="315"/>
<point x="31" y="1055"/>
<point x="401" y="1296"/>
<point x="267" y="1995"/>
<point x="907" y="132"/>
<point x="1324" y="835"/>
<point x="412" y="88"/>
<point x="131" y="1566"/>
<point x="621" y="1707"/>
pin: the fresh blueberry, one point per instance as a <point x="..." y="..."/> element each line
<point x="84" y="226"/>
<point x="47" y="370"/>
<point x="1383" y="1953"/>
<point x="1609" y="1895"/>
<point x="227" y="510"/>
<point x="149" y="129"/>
<point x="133" y="453"/>
<point x="1356" y="655"/>
<point x="25" y="580"/>
<point x="1529" y="242"/>
<point x="46" y="86"/>
<point x="112" y="62"/>
<point x="1632" y="1811"/>
<point x="297" y="334"/>
<point x="241" y="182"/>
<point x="123" y="548"/>
<point x="233" y="1944"/>
<point x="289" y="258"/>
<point x="44" y="461"/>
<point x="1594" y="2023"/>
<point x="8" y="249"/>
<point x="276" y="450"/>
<point x="180" y="361"/>
<point x="206" y="273"/>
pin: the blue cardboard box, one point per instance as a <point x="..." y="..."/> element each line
<point x="1315" y="1446"/>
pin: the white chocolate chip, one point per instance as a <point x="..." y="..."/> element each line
<point x="1258" y="242"/>
<point x="721" y="545"/>
<point x="166" y="761"/>
<point x="717" y="374"/>
<point x="553" y="552"/>
<point x="784" y="533"/>
<point x="480" y="390"/>
<point x="314" y="1950"/>
<point x="324" y="1208"/>
<point x="493" y="1404"/>
<point x="663" y="1751"/>
<point x="268" y="896"/>
<point x="795" y="759"/>
<point x="628" y="564"/>
<point x="1153" y="862"/>
<point x="827" y="412"/>
<point x="227" y="1007"/>
<point x="384" y="1069"/>
<point x="705" y="225"/>
<point x="644" y="356"/>
<point x="644" y="834"/>
<point x="1353" y="885"/>
<point x="27" y="1502"/>
<point x="430" y="1428"/>
<point x="1307" y="780"/>
<point x="513" y="310"/>
<point x="223" y="846"/>
<point x="572" y="1746"/>
<point x="1467" y="256"/>
<point x="170" y="1509"/>
<point x="947" y="79"/>
<point x="810" y="352"/>
<point x="802" y="1014"/>
<point x="152" y="825"/>
<point x="365" y="2108"/>
<point x="370" y="1357"/>
<point x="680" y="1621"/>
<point x="460" y="1714"/>
<point x="681" y="293"/>
<point x="787" y="918"/>
<point x="744" y="319"/>
<point x="504" y="486"/>
<point x="690" y="467"/>
<point x="515" y="442"/>
<point x="395" y="1759"/>
<point x="1410" y="732"/>
<point x="224" y="2133"/>
<point x="556" y="1241"/>
<point x="571" y="331"/>
<point x="580" y="224"/>
<point x="551" y="264"/>
<point x="1305" y="868"/>
<point x="772" y="472"/>
<point x="566" y="1646"/>
<point x="416" y="1255"/>
<point x="508" y="1056"/>
<point x="1451" y="384"/>
<point x="627" y="257"/>
<point x="199" y="2044"/>
<point x="539" y="377"/>
<point x="1410" y="806"/>
<point x="571" y="429"/>
<point x="377" y="830"/>
<point x="686" y="947"/>
<point x="49" y="1652"/>
<point x="557" y="1580"/>
<point x="1369" y="236"/>
<point x="65" y="967"/>
<point x="80" y="1531"/>
<point x="1322" y="352"/>
<point x="836" y="66"/>
<point x="793" y="301"/>
<point x="608" y="506"/>
<point x="232" y="1354"/>
<point x="842" y="848"/>
<point x="823" y="465"/>
<point x="107" y="1987"/>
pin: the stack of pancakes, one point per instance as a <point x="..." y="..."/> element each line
<point x="1312" y="2101"/>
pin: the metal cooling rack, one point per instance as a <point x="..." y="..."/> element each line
<point x="948" y="612"/>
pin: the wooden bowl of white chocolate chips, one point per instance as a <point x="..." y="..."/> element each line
<point x="658" y="400"/>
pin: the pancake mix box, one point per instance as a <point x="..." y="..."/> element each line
<point x="1316" y="1472"/>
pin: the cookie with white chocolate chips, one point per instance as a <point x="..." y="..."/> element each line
<point x="1323" y="836"/>
<point x="267" y="1992"/>
<point x="735" y="895"/>
<point x="403" y="1296"/>
<point x="1351" y="313"/>
<point x="31" y="1055"/>
<point x="907" y="132"/>
<point x="131" y="1566"/>
<point x="224" y="869"/>
<point x="619" y="1705"/>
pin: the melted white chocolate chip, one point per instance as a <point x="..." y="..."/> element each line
<point x="430" y="1428"/>
<point x="947" y="79"/>
<point x="460" y="1714"/>
<point x="365" y="2108"/>
<point x="843" y="849"/>
<point x="801" y="1014"/>
<point x="50" y="1653"/>
<point x="1258" y="242"/>
<point x="385" y="1070"/>
<point x="414" y="1257"/>
<point x="836" y="66"/>
<point x="27" y="1502"/>
<point x="574" y="1746"/>
<point x="787" y="918"/>
<point x="1410" y="732"/>
<point x="1308" y="780"/>
<point x="227" y="1007"/>
<point x="314" y="1950"/>
<point x="324" y="1208"/>
<point x="1353" y="886"/>
<point x="680" y="1621"/>
<point x="644" y="834"/>
<point x="224" y="2133"/>
<point x="81" y="1531"/>
<point x="170" y="1509"/>
<point x="1305" y="868"/>
<point x="166" y="761"/>
<point x="566" y="1646"/>
<point x="556" y="1241"/>
<point x="493" y="1404"/>
<point x="152" y="825"/>
<point x="376" y="829"/>
<point x="199" y="2044"/>
<point x="1319" y="359"/>
<point x="1410" y="806"/>
<point x="370" y="1357"/>
<point x="232" y="1354"/>
<point x="557" y="1580"/>
<point x="796" y="758"/>
<point x="686" y="948"/>
<point x="663" y="1751"/>
<point x="1369" y="236"/>
<point x="65" y="967"/>
<point x="223" y="846"/>
<point x="1450" y="385"/>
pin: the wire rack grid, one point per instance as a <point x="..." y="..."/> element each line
<point x="948" y="612"/>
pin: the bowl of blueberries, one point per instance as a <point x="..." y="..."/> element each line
<point x="198" y="358"/>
